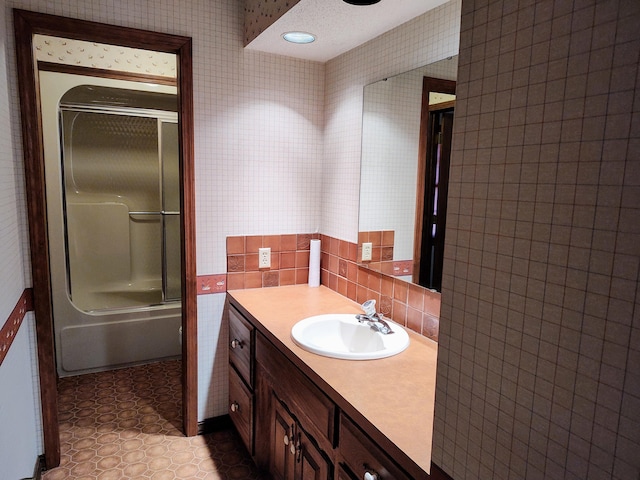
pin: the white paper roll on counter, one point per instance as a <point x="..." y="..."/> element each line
<point x="314" y="264"/>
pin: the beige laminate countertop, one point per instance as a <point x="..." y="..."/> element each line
<point x="394" y="394"/>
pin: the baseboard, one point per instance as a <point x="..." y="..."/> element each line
<point x="214" y="424"/>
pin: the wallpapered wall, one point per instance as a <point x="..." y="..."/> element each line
<point x="277" y="140"/>
<point x="108" y="57"/>
<point x="19" y="404"/>
<point x="540" y="329"/>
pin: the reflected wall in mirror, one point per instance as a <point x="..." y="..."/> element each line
<point x="395" y="177"/>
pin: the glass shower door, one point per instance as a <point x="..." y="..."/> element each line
<point x="122" y="207"/>
<point x="170" y="161"/>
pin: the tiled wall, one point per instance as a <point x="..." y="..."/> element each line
<point x="407" y="304"/>
<point x="410" y="305"/>
<point x="539" y="348"/>
<point x="289" y="260"/>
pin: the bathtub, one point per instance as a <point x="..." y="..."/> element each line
<point x="113" y="338"/>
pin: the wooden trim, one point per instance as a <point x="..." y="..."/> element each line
<point x="26" y="25"/>
<point x="429" y="84"/>
<point x="12" y="325"/>
<point x="38" y="238"/>
<point x="188" y="240"/>
<point x="103" y="73"/>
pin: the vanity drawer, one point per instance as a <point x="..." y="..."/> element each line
<point x="361" y="455"/>
<point x="241" y="408"/>
<point x="241" y="334"/>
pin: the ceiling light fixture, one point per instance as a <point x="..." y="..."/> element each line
<point x="299" y="37"/>
<point x="361" y="2"/>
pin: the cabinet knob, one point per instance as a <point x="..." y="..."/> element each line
<point x="235" y="343"/>
<point x="371" y="475"/>
<point x="235" y="407"/>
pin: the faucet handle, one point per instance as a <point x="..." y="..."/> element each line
<point x="369" y="307"/>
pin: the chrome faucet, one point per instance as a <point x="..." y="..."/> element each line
<point x="374" y="319"/>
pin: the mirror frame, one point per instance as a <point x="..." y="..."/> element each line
<point x="429" y="84"/>
<point x="26" y="25"/>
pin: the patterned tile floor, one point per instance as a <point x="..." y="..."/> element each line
<point x="125" y="424"/>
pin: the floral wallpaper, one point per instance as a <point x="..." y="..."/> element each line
<point x="108" y="57"/>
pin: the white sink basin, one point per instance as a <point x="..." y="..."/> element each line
<point x="342" y="336"/>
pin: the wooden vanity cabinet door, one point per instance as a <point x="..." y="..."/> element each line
<point x="312" y="465"/>
<point x="282" y="442"/>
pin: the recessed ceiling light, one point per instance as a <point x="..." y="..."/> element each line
<point x="361" y="2"/>
<point x="299" y="37"/>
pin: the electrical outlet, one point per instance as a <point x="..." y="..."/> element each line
<point x="264" y="257"/>
<point x="367" y="249"/>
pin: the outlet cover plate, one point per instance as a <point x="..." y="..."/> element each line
<point x="367" y="249"/>
<point x="264" y="257"/>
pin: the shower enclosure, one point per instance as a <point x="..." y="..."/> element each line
<point x="113" y="195"/>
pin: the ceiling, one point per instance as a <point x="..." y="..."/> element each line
<point x="338" y="26"/>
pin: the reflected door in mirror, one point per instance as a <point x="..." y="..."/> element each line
<point x="435" y="212"/>
<point x="436" y="125"/>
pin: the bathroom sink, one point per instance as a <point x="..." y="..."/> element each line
<point x="343" y="336"/>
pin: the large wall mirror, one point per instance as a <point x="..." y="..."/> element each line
<point x="406" y="126"/>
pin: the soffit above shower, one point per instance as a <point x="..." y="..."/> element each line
<point x="338" y="26"/>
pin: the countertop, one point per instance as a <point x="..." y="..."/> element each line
<point x="395" y="395"/>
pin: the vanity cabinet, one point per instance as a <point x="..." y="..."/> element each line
<point x="292" y="427"/>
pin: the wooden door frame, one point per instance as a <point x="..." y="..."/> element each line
<point x="429" y="84"/>
<point x="27" y="24"/>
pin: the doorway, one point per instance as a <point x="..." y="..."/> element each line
<point x="435" y="201"/>
<point x="27" y="24"/>
<point x="434" y="150"/>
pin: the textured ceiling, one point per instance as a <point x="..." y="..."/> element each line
<point x="338" y="26"/>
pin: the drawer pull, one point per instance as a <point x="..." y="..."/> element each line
<point x="370" y="475"/>
<point x="298" y="449"/>
<point x="235" y="343"/>
<point x="292" y="447"/>
<point x="288" y="437"/>
<point x="235" y="407"/>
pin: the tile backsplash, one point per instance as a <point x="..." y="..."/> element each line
<point x="415" y="307"/>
